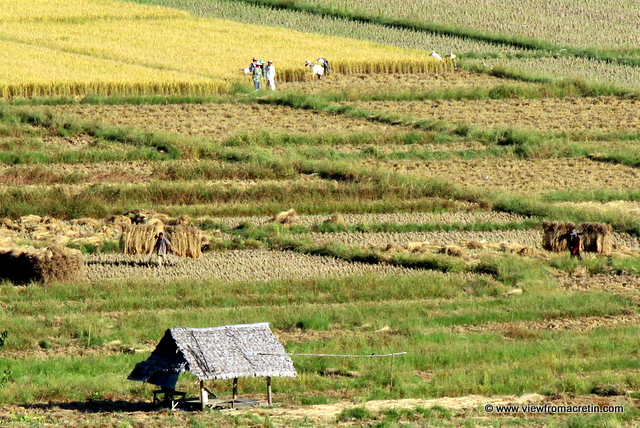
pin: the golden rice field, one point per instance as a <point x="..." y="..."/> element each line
<point x="334" y="26"/>
<point x="594" y="24"/>
<point x="148" y="50"/>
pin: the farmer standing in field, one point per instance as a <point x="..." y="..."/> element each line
<point x="161" y="248"/>
<point x="574" y="244"/>
<point x="257" y="76"/>
<point x="270" y="74"/>
<point x="252" y="66"/>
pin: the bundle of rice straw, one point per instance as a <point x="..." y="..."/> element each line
<point x="555" y="235"/>
<point x="139" y="238"/>
<point x="22" y="265"/>
<point x="186" y="240"/>
<point x="596" y="237"/>
<point x="286" y="217"/>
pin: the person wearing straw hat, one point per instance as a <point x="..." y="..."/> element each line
<point x="574" y="244"/>
<point x="252" y="66"/>
<point x="270" y="74"/>
<point x="162" y="247"/>
<point x="317" y="69"/>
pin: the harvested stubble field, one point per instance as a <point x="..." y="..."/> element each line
<point x="595" y="23"/>
<point x="231" y="266"/>
<point x="602" y="72"/>
<point x="394" y="83"/>
<point x="219" y="122"/>
<point x="599" y="114"/>
<point x="449" y="217"/>
<point x="526" y="176"/>
<point x="486" y="324"/>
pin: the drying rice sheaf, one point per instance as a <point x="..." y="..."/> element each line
<point x="186" y="240"/>
<point x="596" y="237"/>
<point x="555" y="235"/>
<point x="168" y="53"/>
<point x="22" y="265"/>
<point x="139" y="238"/>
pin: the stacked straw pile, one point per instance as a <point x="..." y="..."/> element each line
<point x="22" y="265"/>
<point x="186" y="240"/>
<point x="287" y="218"/>
<point x="555" y="235"/>
<point x="139" y="238"/>
<point x="594" y="237"/>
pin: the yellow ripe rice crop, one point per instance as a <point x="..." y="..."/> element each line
<point x="172" y="51"/>
<point x="64" y="10"/>
<point x="35" y="71"/>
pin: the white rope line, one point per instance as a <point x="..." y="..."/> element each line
<point x="337" y="355"/>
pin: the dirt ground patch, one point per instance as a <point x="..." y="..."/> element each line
<point x="112" y="413"/>
<point x="601" y="114"/>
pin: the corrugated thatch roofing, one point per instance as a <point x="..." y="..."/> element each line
<point x="226" y="352"/>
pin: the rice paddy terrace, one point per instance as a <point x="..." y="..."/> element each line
<point x="362" y="213"/>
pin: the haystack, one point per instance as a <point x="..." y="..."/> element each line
<point x="182" y="220"/>
<point x="286" y="217"/>
<point x="596" y="238"/>
<point x="555" y="235"/>
<point x="335" y="219"/>
<point x="139" y="238"/>
<point x="22" y="265"/>
<point x="453" y="250"/>
<point x="186" y="240"/>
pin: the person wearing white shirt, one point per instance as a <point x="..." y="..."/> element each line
<point x="317" y="69"/>
<point x="270" y="74"/>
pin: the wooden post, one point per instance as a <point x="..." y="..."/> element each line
<point x="204" y="396"/>
<point x="269" y="400"/>
<point x="391" y="375"/>
<point x="235" y="391"/>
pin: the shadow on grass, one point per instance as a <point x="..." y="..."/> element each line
<point x="97" y="406"/>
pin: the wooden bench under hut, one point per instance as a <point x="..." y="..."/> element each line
<point x="226" y="352"/>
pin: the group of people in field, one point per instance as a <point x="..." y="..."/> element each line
<point x="260" y="70"/>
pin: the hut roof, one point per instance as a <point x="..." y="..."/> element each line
<point x="226" y="352"/>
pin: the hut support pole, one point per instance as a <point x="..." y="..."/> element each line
<point x="269" y="400"/>
<point x="235" y="391"/>
<point x="204" y="396"/>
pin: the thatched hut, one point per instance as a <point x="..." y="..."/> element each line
<point x="25" y="264"/>
<point x="555" y="235"/>
<point x="226" y="352"/>
<point x="596" y="238"/>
